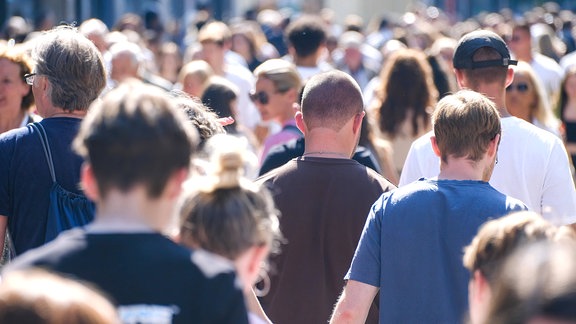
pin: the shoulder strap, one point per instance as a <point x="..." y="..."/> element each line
<point x="46" y="146"/>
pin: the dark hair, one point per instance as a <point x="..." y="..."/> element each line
<point x="406" y="84"/>
<point x="306" y="35"/>
<point x="135" y="136"/>
<point x="205" y="120"/>
<point x="218" y="96"/>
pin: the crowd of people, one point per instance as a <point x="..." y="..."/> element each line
<point x="290" y="169"/>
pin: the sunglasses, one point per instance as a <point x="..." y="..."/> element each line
<point x="520" y="87"/>
<point x="261" y="97"/>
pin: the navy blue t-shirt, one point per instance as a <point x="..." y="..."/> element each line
<point x="25" y="178"/>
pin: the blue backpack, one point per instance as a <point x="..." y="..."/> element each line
<point x="66" y="209"/>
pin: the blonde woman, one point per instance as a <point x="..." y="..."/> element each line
<point x="527" y="99"/>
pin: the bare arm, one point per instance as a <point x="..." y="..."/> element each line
<point x="254" y="306"/>
<point x="354" y="303"/>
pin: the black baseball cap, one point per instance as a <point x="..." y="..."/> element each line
<point x="471" y="42"/>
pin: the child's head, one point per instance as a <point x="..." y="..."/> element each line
<point x="229" y="215"/>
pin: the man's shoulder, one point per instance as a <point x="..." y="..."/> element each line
<point x="519" y="129"/>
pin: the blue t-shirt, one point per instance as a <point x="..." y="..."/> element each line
<point x="25" y="180"/>
<point x="413" y="243"/>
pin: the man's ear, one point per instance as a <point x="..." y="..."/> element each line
<point x="300" y="122"/>
<point x="493" y="146"/>
<point x="435" y="146"/>
<point x="460" y="79"/>
<point x="174" y="184"/>
<point x="88" y="181"/>
<point x="357" y="124"/>
<point x="509" y="76"/>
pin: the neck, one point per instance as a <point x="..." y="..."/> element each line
<point x="497" y="94"/>
<point x="326" y="143"/>
<point x="461" y="169"/>
<point x="132" y="212"/>
<point x="308" y="61"/>
<point x="68" y="114"/>
<point x="11" y="121"/>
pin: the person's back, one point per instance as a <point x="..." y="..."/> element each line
<point x="533" y="164"/>
<point x="124" y="251"/>
<point x="423" y="229"/>
<point x="62" y="94"/>
<point x="322" y="197"/>
<point x="411" y="247"/>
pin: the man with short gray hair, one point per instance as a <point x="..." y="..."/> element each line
<point x="68" y="76"/>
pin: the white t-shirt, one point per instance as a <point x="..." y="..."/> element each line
<point x="549" y="72"/>
<point x="532" y="166"/>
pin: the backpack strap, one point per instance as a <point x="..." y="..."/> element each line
<point x="46" y="146"/>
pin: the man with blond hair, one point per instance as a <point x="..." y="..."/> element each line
<point x="411" y="246"/>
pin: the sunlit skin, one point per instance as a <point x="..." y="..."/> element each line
<point x="13" y="89"/>
<point x="521" y="45"/>
<point x="521" y="104"/>
<point x="280" y="105"/>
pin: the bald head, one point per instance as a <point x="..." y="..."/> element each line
<point x="330" y="99"/>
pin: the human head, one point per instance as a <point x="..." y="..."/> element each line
<point x="521" y="41"/>
<point x="537" y="286"/>
<point x="220" y="96"/>
<point x="215" y="38"/>
<point x="72" y="66"/>
<point x="39" y="297"/>
<point x="96" y="31"/>
<point x="18" y="61"/>
<point x="135" y="136"/>
<point x="194" y="77"/>
<point x="465" y="125"/>
<point x="306" y="35"/>
<point x="527" y="99"/>
<point x="567" y="89"/>
<point x="228" y="215"/>
<point x="407" y="83"/>
<point x="483" y="58"/>
<point x="351" y="43"/>
<point x="279" y="82"/>
<point x="204" y="120"/>
<point x="127" y="57"/>
<point x="330" y="100"/>
<point x="496" y="240"/>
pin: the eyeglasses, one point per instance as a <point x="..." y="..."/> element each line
<point x="520" y="87"/>
<point x="261" y="96"/>
<point x="29" y="78"/>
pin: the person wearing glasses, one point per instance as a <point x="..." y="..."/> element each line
<point x="527" y="99"/>
<point x="533" y="164"/>
<point x="69" y="74"/>
<point x="276" y="97"/>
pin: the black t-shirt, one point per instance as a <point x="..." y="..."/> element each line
<point x="146" y="273"/>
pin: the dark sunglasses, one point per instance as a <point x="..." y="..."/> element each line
<point x="520" y="87"/>
<point x="261" y="96"/>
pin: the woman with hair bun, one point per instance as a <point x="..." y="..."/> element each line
<point x="229" y="215"/>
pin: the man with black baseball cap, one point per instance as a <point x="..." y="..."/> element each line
<point x="532" y="164"/>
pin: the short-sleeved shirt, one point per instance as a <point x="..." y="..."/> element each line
<point x="146" y="275"/>
<point x="413" y="243"/>
<point x="25" y="179"/>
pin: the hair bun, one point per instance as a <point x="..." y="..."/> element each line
<point x="229" y="157"/>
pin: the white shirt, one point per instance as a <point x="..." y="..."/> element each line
<point x="532" y="166"/>
<point x="549" y="72"/>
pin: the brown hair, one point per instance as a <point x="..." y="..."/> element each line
<point x="464" y="124"/>
<point x="18" y="56"/>
<point x="40" y="297"/>
<point x="407" y="84"/>
<point x="488" y="75"/>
